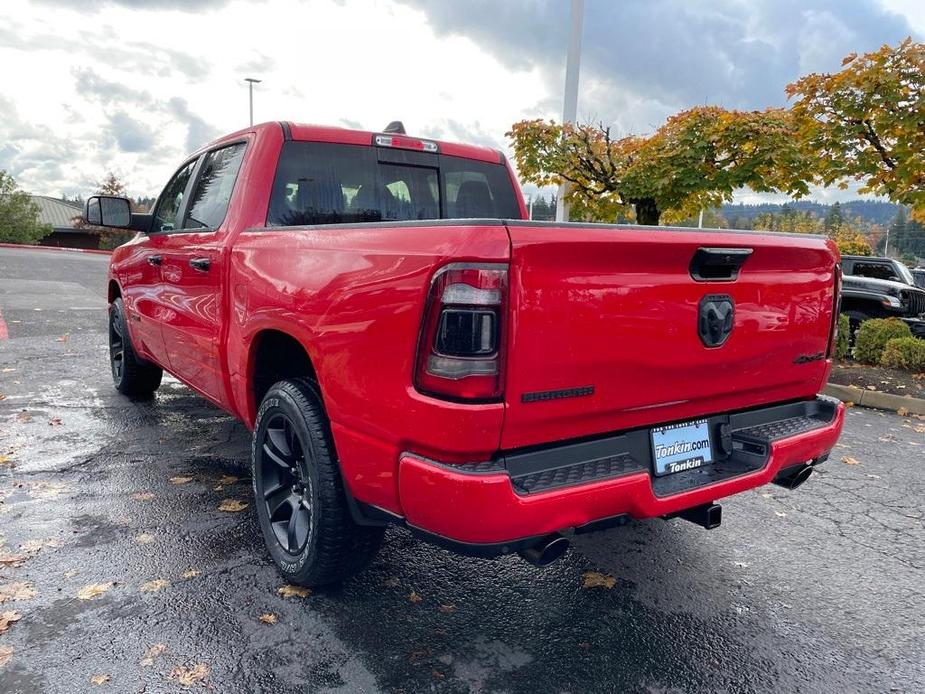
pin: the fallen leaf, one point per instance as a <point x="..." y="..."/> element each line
<point x="12" y="560"/>
<point x="848" y="403"/>
<point x="6" y="654"/>
<point x="191" y="573"/>
<point x="437" y="675"/>
<point x="415" y="598"/>
<point x="155" y="651"/>
<point x="8" y="618"/>
<point x="848" y="460"/>
<point x="190" y="676"/>
<point x="902" y="411"/>
<point x="6" y="460"/>
<point x="291" y="591"/>
<point x="919" y="429"/>
<point x="871" y="387"/>
<point x="143" y="496"/>
<point x="229" y="479"/>
<point x="100" y="679"/>
<point x="595" y="579"/>
<point x="268" y="618"/>
<point x="18" y="590"/>
<point x="33" y="547"/>
<point x="391" y="582"/>
<point x="93" y="590"/>
<point x="447" y="609"/>
<point x="181" y="480"/>
<point x="54" y="422"/>
<point x="585" y="645"/>
<point x="144" y="538"/>
<point x="2" y="396"/>
<point x="155" y="585"/>
<point x="232" y="505"/>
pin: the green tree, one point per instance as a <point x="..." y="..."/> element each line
<point x="695" y="161"/>
<point x="19" y="216"/>
<point x="865" y="123"/>
<point x="834" y="217"/>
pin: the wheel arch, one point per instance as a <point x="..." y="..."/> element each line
<point x="114" y="291"/>
<point x="275" y="355"/>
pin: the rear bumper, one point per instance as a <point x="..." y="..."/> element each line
<point x="502" y="505"/>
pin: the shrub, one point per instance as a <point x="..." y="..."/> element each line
<point x="873" y="336"/>
<point x="904" y="353"/>
<point x="843" y="342"/>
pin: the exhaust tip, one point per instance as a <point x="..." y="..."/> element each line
<point x="791" y="479"/>
<point x="546" y="552"/>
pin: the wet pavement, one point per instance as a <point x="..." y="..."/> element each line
<point x="126" y="576"/>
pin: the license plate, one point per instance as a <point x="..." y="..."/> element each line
<point x="679" y="447"/>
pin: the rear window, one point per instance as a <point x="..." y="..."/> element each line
<point x="323" y="183"/>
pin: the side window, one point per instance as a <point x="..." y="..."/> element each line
<point x="212" y="193"/>
<point x="878" y="271"/>
<point x="168" y="205"/>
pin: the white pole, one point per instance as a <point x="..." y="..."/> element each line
<point x="886" y="244"/>
<point x="531" y="207"/>
<point x="570" y="106"/>
<point x="250" y="88"/>
<point x="700" y="219"/>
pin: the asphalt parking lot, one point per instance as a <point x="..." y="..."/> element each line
<point x="127" y="576"/>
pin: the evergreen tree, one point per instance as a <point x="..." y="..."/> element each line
<point x="834" y="218"/>
<point x="19" y="216"/>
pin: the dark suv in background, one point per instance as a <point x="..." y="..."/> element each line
<point x="879" y="288"/>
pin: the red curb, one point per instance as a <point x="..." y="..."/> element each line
<point x="55" y="248"/>
<point x="4" y="333"/>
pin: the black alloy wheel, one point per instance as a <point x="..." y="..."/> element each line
<point x="285" y="484"/>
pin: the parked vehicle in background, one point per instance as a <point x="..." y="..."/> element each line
<point x="881" y="288"/>
<point x="406" y="348"/>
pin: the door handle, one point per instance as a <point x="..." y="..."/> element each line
<point x="202" y="264"/>
<point x="154" y="260"/>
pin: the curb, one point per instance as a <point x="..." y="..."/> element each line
<point x="55" y="248"/>
<point x="875" y="399"/>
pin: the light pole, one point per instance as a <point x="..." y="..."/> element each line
<point x="251" y="81"/>
<point x="570" y="106"/>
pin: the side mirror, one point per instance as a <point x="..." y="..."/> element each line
<point x="108" y="211"/>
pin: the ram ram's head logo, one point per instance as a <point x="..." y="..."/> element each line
<point x="715" y="319"/>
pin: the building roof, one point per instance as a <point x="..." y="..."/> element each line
<point x="58" y="213"/>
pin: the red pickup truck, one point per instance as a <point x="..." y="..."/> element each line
<point x="408" y="348"/>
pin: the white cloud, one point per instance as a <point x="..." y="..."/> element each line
<point x="134" y="85"/>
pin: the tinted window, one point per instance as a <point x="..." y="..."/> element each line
<point x="165" y="215"/>
<point x="321" y="183"/>
<point x="210" y="198"/>
<point x="876" y="270"/>
<point x="919" y="276"/>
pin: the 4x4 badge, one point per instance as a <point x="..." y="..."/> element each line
<point x="715" y="319"/>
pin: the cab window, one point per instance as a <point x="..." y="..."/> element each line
<point x="168" y="205"/>
<point x="209" y="201"/>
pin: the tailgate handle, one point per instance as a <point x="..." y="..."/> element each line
<point x="718" y="264"/>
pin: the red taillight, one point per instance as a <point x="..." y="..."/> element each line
<point x="836" y="309"/>
<point x="461" y="348"/>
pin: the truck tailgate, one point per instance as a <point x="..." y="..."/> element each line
<point x="604" y="327"/>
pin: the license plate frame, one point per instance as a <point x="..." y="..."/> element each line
<point x="682" y="446"/>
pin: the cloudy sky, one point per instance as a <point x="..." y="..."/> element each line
<point x="134" y="85"/>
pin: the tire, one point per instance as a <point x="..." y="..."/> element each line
<point x="855" y="318"/>
<point x="299" y="492"/>
<point x="131" y="375"/>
